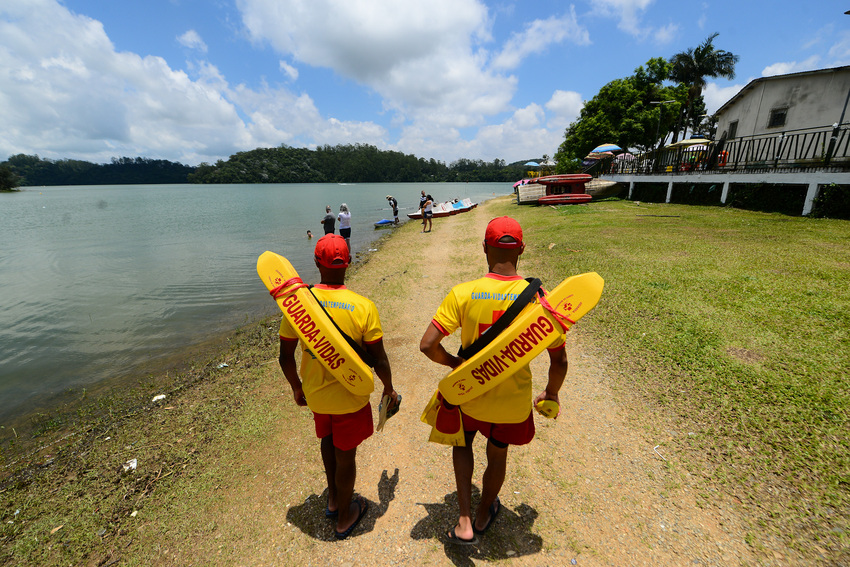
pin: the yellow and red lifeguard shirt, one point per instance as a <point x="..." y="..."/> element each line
<point x="474" y="306"/>
<point x="358" y="317"/>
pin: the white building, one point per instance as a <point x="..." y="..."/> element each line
<point x="784" y="103"/>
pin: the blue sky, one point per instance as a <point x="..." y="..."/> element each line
<point x="196" y="81"/>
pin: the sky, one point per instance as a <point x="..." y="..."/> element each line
<point x="199" y="80"/>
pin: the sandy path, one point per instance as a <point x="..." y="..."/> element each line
<point x="590" y="488"/>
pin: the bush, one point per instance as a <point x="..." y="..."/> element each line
<point x="833" y="201"/>
<point x="650" y="192"/>
<point x="768" y="198"/>
<point x="8" y="179"/>
<point x="696" y="194"/>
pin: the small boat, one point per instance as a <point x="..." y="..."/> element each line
<point x="384" y="222"/>
<point x="565" y="199"/>
<point x="448" y="208"/>
<point x="566" y="189"/>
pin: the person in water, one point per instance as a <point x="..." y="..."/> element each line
<point x="309" y="234"/>
<point x="504" y="414"/>
<point x="343" y="420"/>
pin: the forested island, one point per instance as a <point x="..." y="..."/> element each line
<point x="351" y="163"/>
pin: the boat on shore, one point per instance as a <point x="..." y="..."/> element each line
<point x="565" y="199"/>
<point x="446" y="209"/>
<point x="554" y="189"/>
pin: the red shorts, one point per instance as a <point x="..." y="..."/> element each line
<point x="502" y="433"/>
<point x="349" y="429"/>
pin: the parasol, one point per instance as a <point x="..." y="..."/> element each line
<point x="606" y="148"/>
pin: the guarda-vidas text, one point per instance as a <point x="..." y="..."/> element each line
<point x="311" y="332"/>
<point x="527" y="339"/>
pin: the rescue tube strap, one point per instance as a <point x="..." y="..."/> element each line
<point x="284" y="289"/>
<point x="361" y="352"/>
<point x="485" y="338"/>
<point x="561" y="319"/>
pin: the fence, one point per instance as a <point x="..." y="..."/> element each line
<point x="795" y="150"/>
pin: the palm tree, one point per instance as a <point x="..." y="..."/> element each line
<point x="691" y="67"/>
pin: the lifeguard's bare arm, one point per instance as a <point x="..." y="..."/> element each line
<point x="558" y="365"/>
<point x="432" y="348"/>
<point x="290" y="370"/>
<point x="382" y="368"/>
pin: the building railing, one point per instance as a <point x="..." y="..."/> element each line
<point x="794" y="150"/>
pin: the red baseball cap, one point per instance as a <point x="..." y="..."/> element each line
<point x="332" y="251"/>
<point x="500" y="227"/>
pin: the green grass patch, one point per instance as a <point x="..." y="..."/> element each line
<point x="734" y="328"/>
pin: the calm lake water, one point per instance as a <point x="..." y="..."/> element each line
<point x="97" y="281"/>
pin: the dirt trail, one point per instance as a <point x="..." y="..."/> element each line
<point x="590" y="487"/>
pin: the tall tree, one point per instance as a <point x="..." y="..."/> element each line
<point x="691" y="67"/>
<point x="621" y="113"/>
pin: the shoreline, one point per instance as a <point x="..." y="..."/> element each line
<point x="46" y="409"/>
<point x="58" y="416"/>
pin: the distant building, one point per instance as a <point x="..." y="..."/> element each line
<point x="784" y="103"/>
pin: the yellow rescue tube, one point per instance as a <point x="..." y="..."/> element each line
<point x="312" y="325"/>
<point x="533" y="330"/>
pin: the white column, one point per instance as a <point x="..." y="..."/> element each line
<point x="631" y="189"/>
<point x="725" y="194"/>
<point x="811" y="195"/>
<point x="669" y="191"/>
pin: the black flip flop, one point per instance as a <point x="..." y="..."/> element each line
<point x="364" y="507"/>
<point x="495" y="507"/>
<point x="456" y="539"/>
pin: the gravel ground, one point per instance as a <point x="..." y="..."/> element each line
<point x="595" y="487"/>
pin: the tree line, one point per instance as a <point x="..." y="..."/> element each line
<point x="31" y="170"/>
<point x="357" y="163"/>
<point x="349" y="163"/>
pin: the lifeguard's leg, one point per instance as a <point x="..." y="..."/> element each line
<point x="494" y="478"/>
<point x="346" y="474"/>
<point x="463" y="460"/>
<point x="329" y="460"/>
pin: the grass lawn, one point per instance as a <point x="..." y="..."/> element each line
<point x="734" y="327"/>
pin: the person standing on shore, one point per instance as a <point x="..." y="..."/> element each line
<point x="342" y="419"/>
<point x="328" y="221"/>
<point x="504" y="414"/>
<point x="394" y="207"/>
<point x="427" y="213"/>
<point x="344" y="219"/>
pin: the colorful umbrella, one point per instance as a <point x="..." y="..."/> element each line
<point x="532" y="164"/>
<point x="606" y="148"/>
<point x="599" y="155"/>
<point x="626" y="156"/>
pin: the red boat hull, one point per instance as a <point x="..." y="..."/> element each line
<point x="564" y="199"/>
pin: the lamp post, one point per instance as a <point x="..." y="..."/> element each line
<point x="660" y="104"/>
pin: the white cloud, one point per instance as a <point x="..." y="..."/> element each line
<point x="289" y="70"/>
<point x="840" y="51"/>
<point x="424" y="58"/>
<point x="538" y="36"/>
<point x="783" y="68"/>
<point x="67" y="93"/>
<point x="665" y="34"/>
<point x="716" y="96"/>
<point x="192" y="40"/>
<point x="565" y="106"/>
<point x="628" y="12"/>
